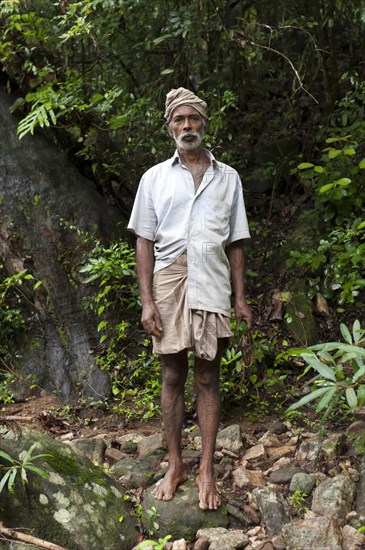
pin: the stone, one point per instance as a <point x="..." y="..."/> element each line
<point x="114" y="455"/>
<point x="356" y="428"/>
<point x="137" y="472"/>
<point x="278" y="542"/>
<point x="277" y="428"/>
<point x="279" y="452"/>
<point x="352" y="539"/>
<point x="201" y="544"/>
<point x="78" y="506"/>
<point x="257" y="452"/>
<point x="273" y="509"/>
<point x="128" y="442"/>
<point x="224" y="539"/>
<point x="308" y="450"/>
<point x="269" y="440"/>
<point x="92" y="448"/>
<point x="360" y="496"/>
<point x="248" y="478"/>
<point x="284" y="475"/>
<point x="316" y="533"/>
<point x="152" y="443"/>
<point x="302" y="482"/>
<point x="231" y="439"/>
<point x="245" y="516"/>
<point x="181" y="516"/>
<point x="179" y="545"/>
<point x="334" y="497"/>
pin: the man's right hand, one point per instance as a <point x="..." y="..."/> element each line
<point x="151" y="320"/>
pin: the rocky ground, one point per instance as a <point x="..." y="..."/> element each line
<point x="282" y="486"/>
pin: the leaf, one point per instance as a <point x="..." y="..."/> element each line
<point x="358" y="374"/>
<point x="333" y="153"/>
<point x="319" y="169"/>
<point x="305" y="165"/>
<point x="102" y="325"/>
<point x="11" y="481"/>
<point x="7" y="457"/>
<point x="166" y="71"/>
<point x="361" y="394"/>
<point x="349" y="151"/>
<point x="307" y="398"/>
<point x="362" y="164"/>
<point x="4" y="479"/>
<point x="345" y="333"/>
<point x="351" y="398"/>
<point x="326" y="398"/>
<point x="356" y="331"/>
<point x="322" y="369"/>
<point x="38" y="471"/>
<point x="343" y="181"/>
<point x="326" y="187"/>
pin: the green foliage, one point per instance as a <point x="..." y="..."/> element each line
<point x="158" y="545"/>
<point x="21" y="467"/>
<point x="341" y="372"/>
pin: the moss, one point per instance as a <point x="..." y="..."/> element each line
<point x="70" y="466"/>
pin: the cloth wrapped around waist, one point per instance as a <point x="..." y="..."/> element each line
<point x="183" y="327"/>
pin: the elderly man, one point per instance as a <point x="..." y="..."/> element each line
<point x="190" y="220"/>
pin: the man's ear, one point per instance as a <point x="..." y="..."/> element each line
<point x="168" y="128"/>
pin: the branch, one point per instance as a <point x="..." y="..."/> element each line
<point x="29" y="538"/>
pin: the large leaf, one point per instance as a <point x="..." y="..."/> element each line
<point x="6" y="456"/>
<point x="358" y="374"/>
<point x="4" y="479"/>
<point x="351" y="398"/>
<point x="327" y="398"/>
<point x="308" y="398"/>
<point x="346" y="333"/>
<point x="321" y="368"/>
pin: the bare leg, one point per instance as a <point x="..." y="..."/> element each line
<point x="207" y="382"/>
<point x="174" y="373"/>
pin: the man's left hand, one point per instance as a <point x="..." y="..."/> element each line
<point x="243" y="313"/>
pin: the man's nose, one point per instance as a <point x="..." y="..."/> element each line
<point x="187" y="123"/>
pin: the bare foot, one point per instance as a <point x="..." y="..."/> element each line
<point x="209" y="498"/>
<point x="166" y="488"/>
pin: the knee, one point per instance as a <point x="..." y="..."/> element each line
<point x="173" y="379"/>
<point x="207" y="380"/>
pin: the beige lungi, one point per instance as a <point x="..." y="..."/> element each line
<point x="183" y="327"/>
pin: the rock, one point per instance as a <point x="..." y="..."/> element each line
<point x="223" y="539"/>
<point x="128" y="442"/>
<point x="308" y="450"/>
<point x="179" y="544"/>
<point x="92" y="448"/>
<point x="334" y="496"/>
<point x="276" y="427"/>
<point x="231" y="439"/>
<point x="273" y="509"/>
<point x="352" y="539"/>
<point x="77" y="507"/>
<point x="201" y="544"/>
<point x="257" y="452"/>
<point x="114" y="455"/>
<point x="181" y="517"/>
<point x="139" y="472"/>
<point x="151" y="444"/>
<point x="269" y="440"/>
<point x="284" y="475"/>
<point x="264" y="546"/>
<point x="356" y="428"/>
<point x="302" y="482"/>
<point x="245" y="516"/>
<point x="317" y="533"/>
<point x="248" y="478"/>
<point x="360" y="497"/>
<point x="278" y="542"/>
<point x="279" y="452"/>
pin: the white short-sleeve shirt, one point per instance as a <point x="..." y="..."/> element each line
<point x="168" y="211"/>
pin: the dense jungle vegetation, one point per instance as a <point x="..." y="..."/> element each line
<point x="285" y="85"/>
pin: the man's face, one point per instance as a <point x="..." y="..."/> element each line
<point x="186" y="127"/>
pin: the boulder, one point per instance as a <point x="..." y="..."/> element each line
<point x="78" y="506"/>
<point x="334" y="496"/>
<point x="314" y="533"/>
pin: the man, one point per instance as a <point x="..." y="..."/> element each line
<point x="189" y="217"/>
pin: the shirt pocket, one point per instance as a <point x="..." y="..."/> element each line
<point x="216" y="216"/>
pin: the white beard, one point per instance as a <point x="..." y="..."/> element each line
<point x="188" y="145"/>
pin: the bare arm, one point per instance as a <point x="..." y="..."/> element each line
<point x="151" y="320"/>
<point x="236" y="260"/>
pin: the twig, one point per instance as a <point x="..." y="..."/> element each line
<point x="29" y="538"/>
<point x="17" y="418"/>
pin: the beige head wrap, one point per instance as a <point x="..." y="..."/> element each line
<point x="182" y="96"/>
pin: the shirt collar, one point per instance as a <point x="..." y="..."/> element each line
<point x="176" y="158"/>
